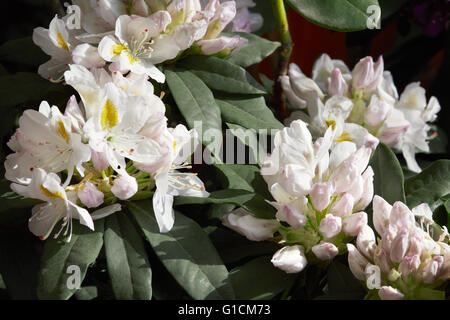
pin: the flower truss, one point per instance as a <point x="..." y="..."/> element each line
<point x="138" y="35"/>
<point x="320" y="190"/>
<point x="412" y="255"/>
<point x="362" y="104"/>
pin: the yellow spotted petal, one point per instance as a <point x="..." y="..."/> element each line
<point x="109" y="116"/>
<point x="50" y="194"/>
<point x="61" y="42"/>
<point x="62" y="131"/>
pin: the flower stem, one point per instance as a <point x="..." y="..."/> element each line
<point x="284" y="54"/>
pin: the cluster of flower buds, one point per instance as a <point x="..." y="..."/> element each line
<point x="137" y="35"/>
<point x="363" y="105"/>
<point x="320" y="190"/>
<point x="411" y="258"/>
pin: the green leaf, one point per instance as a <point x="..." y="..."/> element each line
<point x="234" y="247"/>
<point x="249" y="113"/>
<point x="187" y="253"/>
<point x="219" y="74"/>
<point x="128" y="265"/>
<point x="25" y="87"/>
<point x="249" y="138"/>
<point x="259" y="280"/>
<point x="255" y="51"/>
<point x="389" y="7"/>
<point x="58" y="256"/>
<point x="388" y="179"/>
<point x="19" y="263"/>
<point x="22" y="51"/>
<point x="339" y="15"/>
<point x="429" y="185"/>
<point x="342" y="284"/>
<point x="87" y="293"/>
<point x="11" y="200"/>
<point x="245" y="177"/>
<point x="251" y="202"/>
<point x="194" y="99"/>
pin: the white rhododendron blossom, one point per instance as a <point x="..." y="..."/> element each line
<point x="138" y="35"/>
<point x="113" y="146"/>
<point x="412" y="252"/>
<point x="320" y="190"/>
<point x="362" y="105"/>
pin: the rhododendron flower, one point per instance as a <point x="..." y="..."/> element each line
<point x="362" y="105"/>
<point x="320" y="190"/>
<point x="412" y="257"/>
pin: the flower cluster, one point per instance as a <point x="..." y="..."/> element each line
<point x="320" y="190"/>
<point x="115" y="143"/>
<point x="138" y="35"/>
<point x="412" y="258"/>
<point x="362" y="104"/>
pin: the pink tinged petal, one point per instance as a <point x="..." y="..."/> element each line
<point x="377" y="74"/>
<point x="293" y="99"/>
<point x="99" y="159"/>
<point x="87" y="56"/>
<point x="363" y="73"/>
<point x="252" y="228"/>
<point x="124" y="187"/>
<point x="330" y="226"/>
<point x="164" y="213"/>
<point x="290" y="259"/>
<point x="44" y="219"/>
<point x="401" y="216"/>
<point x="338" y="86"/>
<point x="289" y="214"/>
<point x="431" y="271"/>
<point x="90" y="196"/>
<point x="416" y="244"/>
<point x="381" y="214"/>
<point x="321" y="194"/>
<point x="213" y="46"/>
<point x="325" y="251"/>
<point x="377" y="111"/>
<point x="356" y="262"/>
<point x="389" y="293"/>
<point x="409" y="265"/>
<point x="365" y="242"/>
<point x="353" y="224"/>
<point x="399" y="246"/>
<point x="382" y="260"/>
<point x="343" y="206"/>
<point x="367" y="193"/>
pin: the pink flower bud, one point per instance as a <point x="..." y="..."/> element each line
<point x="399" y="246"/>
<point x="377" y="111"/>
<point x="338" y="86"/>
<point x="290" y="259"/>
<point x="330" y="226"/>
<point x="382" y="260"/>
<point x="124" y="187"/>
<point x="409" y="264"/>
<point x="431" y="271"/>
<point x="401" y="216"/>
<point x="249" y="226"/>
<point x="416" y="243"/>
<point x="381" y="214"/>
<point x="343" y="206"/>
<point x="389" y="293"/>
<point x="90" y="196"/>
<point x="99" y="160"/>
<point x="325" y="251"/>
<point x="363" y="73"/>
<point x="356" y="262"/>
<point x="365" y="242"/>
<point x="320" y="195"/>
<point x="367" y="194"/>
<point x="355" y="223"/>
<point x="289" y="214"/>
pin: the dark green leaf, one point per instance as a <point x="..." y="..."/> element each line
<point x="187" y="253"/>
<point x="249" y="113"/>
<point x="252" y="202"/>
<point x="388" y="179"/>
<point x="342" y="284"/>
<point x="256" y="50"/>
<point x="194" y="99"/>
<point x="339" y="15"/>
<point x="128" y="266"/>
<point x="87" y="293"/>
<point x="259" y="280"/>
<point x="219" y="74"/>
<point x="429" y="185"/>
<point x="22" y="51"/>
<point x="58" y="256"/>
